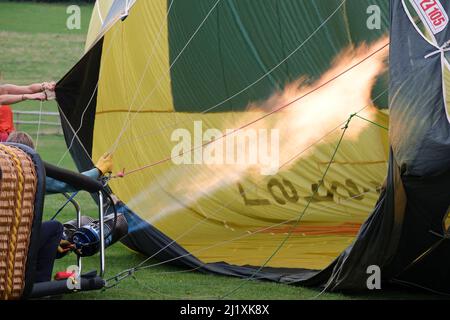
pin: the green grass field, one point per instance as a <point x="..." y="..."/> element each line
<point x="36" y="46"/>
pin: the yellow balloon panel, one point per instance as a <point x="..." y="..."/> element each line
<point x="134" y="70"/>
<point x="235" y="212"/>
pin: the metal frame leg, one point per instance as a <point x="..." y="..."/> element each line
<point x="102" y="235"/>
<point x="78" y="209"/>
<point x="79" y="262"/>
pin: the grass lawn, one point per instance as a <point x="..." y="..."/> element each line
<point x="36" y="46"/>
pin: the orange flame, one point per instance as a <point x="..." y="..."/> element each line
<point x="324" y="107"/>
<point x="326" y="104"/>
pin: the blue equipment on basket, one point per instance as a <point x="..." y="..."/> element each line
<point x="87" y="238"/>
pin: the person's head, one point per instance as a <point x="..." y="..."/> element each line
<point x="21" y="138"/>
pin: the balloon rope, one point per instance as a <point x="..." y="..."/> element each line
<point x="372" y="122"/>
<point x="243" y="236"/>
<point x="227" y="205"/>
<point x="297" y="222"/>
<point x="301" y="45"/>
<point x="124" y="174"/>
<point x="149" y="59"/>
<point x="99" y="12"/>
<point x="129" y="272"/>
<point x="128" y="121"/>
<point x="205" y="219"/>
<point x="119" y="277"/>
<point x="75" y="136"/>
<point x="75" y="132"/>
<point x="116" y="143"/>
<point x="39" y="125"/>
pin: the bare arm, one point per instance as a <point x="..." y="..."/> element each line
<point x="12" y="99"/>
<point x="30" y="89"/>
<point x="13" y="89"/>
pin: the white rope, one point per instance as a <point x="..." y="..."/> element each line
<point x="128" y="121"/>
<point x="141" y="267"/>
<point x="255" y="188"/>
<point x="442" y="50"/>
<point x="261" y="230"/>
<point x="99" y="12"/>
<point x="301" y="45"/>
<point x="75" y="136"/>
<point x="353" y="115"/>
<point x="75" y="132"/>
<point x="149" y="60"/>
<point x="227" y="205"/>
<point x="39" y="125"/>
<point x="242" y="236"/>
<point x="204" y="220"/>
<point x="121" y="133"/>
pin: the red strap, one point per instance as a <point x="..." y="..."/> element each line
<point x="64" y="275"/>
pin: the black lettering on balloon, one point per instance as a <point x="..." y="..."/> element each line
<point x="252" y="202"/>
<point x="275" y="183"/>
<point x="317" y="197"/>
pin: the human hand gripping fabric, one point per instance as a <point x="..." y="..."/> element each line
<point x="105" y="163"/>
<point x="50" y="86"/>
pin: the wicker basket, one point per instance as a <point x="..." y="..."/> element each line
<point x="18" y="186"/>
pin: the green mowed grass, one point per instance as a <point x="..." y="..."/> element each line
<point x="36" y="46"/>
<point x="161" y="282"/>
<point x="165" y="281"/>
<point x="34" y="18"/>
